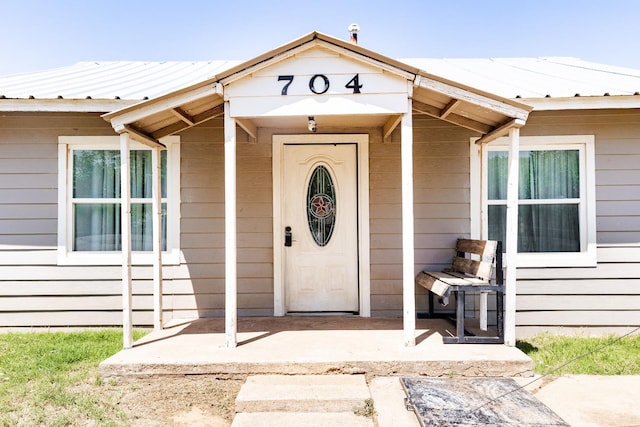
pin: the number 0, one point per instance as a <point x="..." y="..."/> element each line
<point x="312" y="84"/>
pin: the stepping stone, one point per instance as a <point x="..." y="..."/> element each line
<point x="303" y="393"/>
<point x="300" y="419"/>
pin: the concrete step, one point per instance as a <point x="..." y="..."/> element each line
<point x="300" y="419"/>
<point x="303" y="393"/>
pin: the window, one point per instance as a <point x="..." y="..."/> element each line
<point x="90" y="200"/>
<point x="556" y="199"/>
<point x="321" y="205"/>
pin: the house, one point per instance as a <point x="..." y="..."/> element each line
<point x="319" y="177"/>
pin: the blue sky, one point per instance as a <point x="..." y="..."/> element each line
<point x="41" y="34"/>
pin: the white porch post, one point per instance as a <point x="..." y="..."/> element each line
<point x="231" y="273"/>
<point x="156" y="192"/>
<point x="408" y="283"/>
<point x="512" y="237"/>
<point x="125" y="233"/>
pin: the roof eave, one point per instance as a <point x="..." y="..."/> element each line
<point x="583" y="102"/>
<point x="64" y="105"/>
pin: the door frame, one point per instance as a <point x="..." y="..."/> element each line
<point x="362" y="159"/>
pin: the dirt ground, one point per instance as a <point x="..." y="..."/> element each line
<point x="200" y="400"/>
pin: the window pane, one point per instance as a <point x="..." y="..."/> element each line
<point x="497" y="216"/>
<point x="321" y="205"/>
<point x="141" y="174"/>
<point x="142" y="226"/>
<point x="541" y="228"/>
<point x="97" y="227"/>
<point x="96" y="173"/>
<point x="548" y="228"/>
<point x="497" y="174"/>
<point x="549" y="174"/>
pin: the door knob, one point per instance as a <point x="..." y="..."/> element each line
<point x="288" y="239"/>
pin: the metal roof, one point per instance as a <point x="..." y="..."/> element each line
<point x="131" y="80"/>
<point x="553" y="77"/>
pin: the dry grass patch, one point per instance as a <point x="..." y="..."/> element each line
<point x="51" y="379"/>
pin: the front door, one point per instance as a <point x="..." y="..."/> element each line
<point x="320" y="215"/>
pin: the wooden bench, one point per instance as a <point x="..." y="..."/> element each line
<point x="471" y="271"/>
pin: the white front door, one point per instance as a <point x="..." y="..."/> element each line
<point x="320" y="191"/>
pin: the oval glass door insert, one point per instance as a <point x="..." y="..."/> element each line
<point x="321" y="205"/>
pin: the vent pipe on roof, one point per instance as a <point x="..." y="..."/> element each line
<point x="353" y="30"/>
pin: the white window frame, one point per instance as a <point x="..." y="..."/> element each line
<point x="66" y="255"/>
<point x="585" y="144"/>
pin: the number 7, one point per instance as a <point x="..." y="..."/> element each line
<point x="288" y="78"/>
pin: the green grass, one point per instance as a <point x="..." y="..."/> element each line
<point x="50" y="378"/>
<point x="610" y="355"/>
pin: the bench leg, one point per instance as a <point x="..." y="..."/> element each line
<point x="460" y="315"/>
<point x="500" y="314"/>
<point x="430" y="305"/>
<point x="462" y="338"/>
<point x="483" y="311"/>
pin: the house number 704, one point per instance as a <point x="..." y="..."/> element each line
<point x="319" y="83"/>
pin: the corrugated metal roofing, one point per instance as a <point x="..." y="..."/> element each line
<point x="110" y="80"/>
<point x="507" y="77"/>
<point x="554" y="77"/>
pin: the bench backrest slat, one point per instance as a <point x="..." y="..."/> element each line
<point x="480" y="263"/>
<point x="481" y="269"/>
<point x="483" y="248"/>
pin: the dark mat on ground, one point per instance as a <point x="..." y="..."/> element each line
<point x="475" y="402"/>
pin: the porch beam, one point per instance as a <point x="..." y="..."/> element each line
<point x="512" y="237"/>
<point x="120" y="119"/>
<point x="212" y="113"/>
<point x="125" y="233"/>
<point x="408" y="268"/>
<point x="249" y="127"/>
<point x="156" y="192"/>
<point x="501" y="131"/>
<point x="456" y="119"/>
<point x="143" y="137"/>
<point x="231" y="273"/>
<point x="449" y="108"/>
<point x="466" y="95"/>
<point x="390" y="126"/>
<point x="182" y="115"/>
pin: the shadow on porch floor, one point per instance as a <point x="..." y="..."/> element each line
<point x="312" y="345"/>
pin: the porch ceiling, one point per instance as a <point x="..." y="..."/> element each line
<point x="434" y="96"/>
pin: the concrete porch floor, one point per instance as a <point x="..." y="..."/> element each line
<point x="313" y="345"/>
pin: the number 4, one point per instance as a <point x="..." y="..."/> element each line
<point x="354" y="84"/>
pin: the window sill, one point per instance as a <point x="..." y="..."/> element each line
<point x="559" y="259"/>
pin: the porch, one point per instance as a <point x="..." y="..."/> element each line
<point x="259" y="99"/>
<point x="312" y="345"/>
